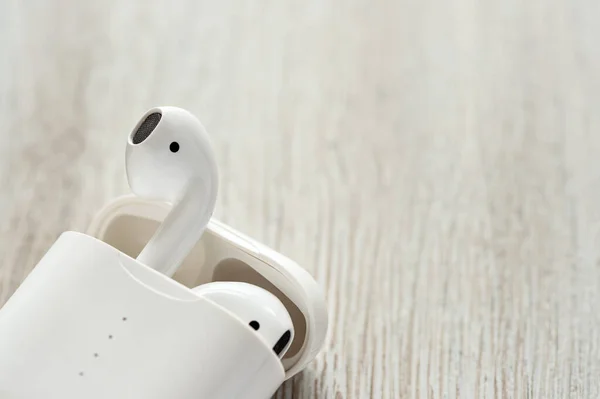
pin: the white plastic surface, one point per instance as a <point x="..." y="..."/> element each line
<point x="91" y="322"/>
<point x="225" y="254"/>
<point x="184" y="175"/>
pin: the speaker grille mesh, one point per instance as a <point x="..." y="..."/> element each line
<point x="146" y="127"/>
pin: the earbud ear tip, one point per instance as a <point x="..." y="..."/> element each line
<point x="258" y="308"/>
<point x="169" y="158"/>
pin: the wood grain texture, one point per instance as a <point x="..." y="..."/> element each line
<point x="433" y="164"/>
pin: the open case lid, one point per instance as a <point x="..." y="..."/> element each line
<point x="224" y="254"/>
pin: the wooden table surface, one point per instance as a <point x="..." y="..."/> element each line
<point x="433" y="164"/>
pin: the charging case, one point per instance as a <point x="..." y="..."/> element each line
<point x="91" y="321"/>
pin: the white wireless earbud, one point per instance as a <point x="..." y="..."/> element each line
<point x="169" y="158"/>
<point x="257" y="308"/>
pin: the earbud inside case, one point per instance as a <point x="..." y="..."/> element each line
<point x="91" y="321"/>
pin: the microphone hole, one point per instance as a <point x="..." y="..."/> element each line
<point x="254" y="324"/>
<point x="283" y="342"/>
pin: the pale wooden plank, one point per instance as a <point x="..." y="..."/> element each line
<point x="432" y="164"/>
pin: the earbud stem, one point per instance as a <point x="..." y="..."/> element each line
<point x="180" y="231"/>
